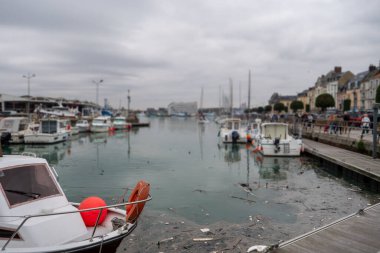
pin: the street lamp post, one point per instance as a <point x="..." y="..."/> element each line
<point x="28" y="77"/>
<point x="97" y="83"/>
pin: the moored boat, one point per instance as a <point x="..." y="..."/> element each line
<point x="50" y="131"/>
<point x="120" y="123"/>
<point x="232" y="132"/>
<point x="83" y="126"/>
<point x="101" y="124"/>
<point x="15" y="128"/>
<point x="35" y="215"/>
<point x="275" y="140"/>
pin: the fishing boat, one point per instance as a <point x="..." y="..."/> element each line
<point x="101" y="124"/>
<point x="120" y="123"/>
<point x="83" y="126"/>
<point x="275" y="140"/>
<point x="13" y="129"/>
<point x="50" y="131"/>
<point x="36" y="216"/>
<point x="232" y="131"/>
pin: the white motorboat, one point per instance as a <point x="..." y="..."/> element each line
<point x="274" y="140"/>
<point x="232" y="132"/>
<point x="83" y="126"/>
<point x="35" y="215"/>
<point x="15" y="128"/>
<point x="50" y="131"/>
<point x="101" y="124"/>
<point x="120" y="123"/>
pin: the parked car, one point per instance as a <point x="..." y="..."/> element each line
<point x="355" y="119"/>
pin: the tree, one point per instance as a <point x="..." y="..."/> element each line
<point x="296" y="105"/>
<point x="324" y="100"/>
<point x="307" y="108"/>
<point x="346" y="105"/>
<point x="260" y="109"/>
<point x="268" y="108"/>
<point x="378" y="94"/>
<point x="279" y="107"/>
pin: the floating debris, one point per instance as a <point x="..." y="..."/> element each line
<point x="203" y="239"/>
<point x="205" y="230"/>
<point x="257" y="248"/>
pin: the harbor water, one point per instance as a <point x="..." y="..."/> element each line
<point x="197" y="180"/>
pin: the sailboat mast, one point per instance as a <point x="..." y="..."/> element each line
<point x="201" y="102"/>
<point x="231" y="99"/>
<point x="249" y="90"/>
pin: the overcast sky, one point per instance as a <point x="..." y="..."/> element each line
<point x="165" y="51"/>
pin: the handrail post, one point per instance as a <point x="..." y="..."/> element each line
<point x="15" y="233"/>
<point x="96" y="224"/>
<point x="374" y="132"/>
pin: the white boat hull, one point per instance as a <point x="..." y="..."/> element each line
<point x="40" y="138"/>
<point x="284" y="148"/>
<point x="99" y="129"/>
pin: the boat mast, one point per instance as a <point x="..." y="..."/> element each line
<point x="231" y="99"/>
<point x="249" y="93"/>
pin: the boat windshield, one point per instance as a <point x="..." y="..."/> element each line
<point x="27" y="183"/>
<point x="49" y="127"/>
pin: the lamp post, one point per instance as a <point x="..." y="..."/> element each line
<point x="97" y="83"/>
<point x="28" y="77"/>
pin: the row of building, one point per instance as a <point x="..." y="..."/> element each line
<point x="360" y="89"/>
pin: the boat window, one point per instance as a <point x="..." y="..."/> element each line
<point x="229" y="125"/>
<point x="4" y="233"/>
<point x="236" y="125"/>
<point x="27" y="183"/>
<point x="23" y="125"/>
<point x="62" y="125"/>
<point x="7" y="124"/>
<point x="49" y="127"/>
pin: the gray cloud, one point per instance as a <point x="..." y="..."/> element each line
<point x="165" y="51"/>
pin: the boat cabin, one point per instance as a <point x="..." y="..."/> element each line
<point x="28" y="187"/>
<point x="51" y="126"/>
<point x="14" y="124"/>
<point x="274" y="130"/>
<point x="232" y="124"/>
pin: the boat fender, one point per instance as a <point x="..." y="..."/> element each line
<point x="140" y="192"/>
<point x="90" y="217"/>
<point x="302" y="148"/>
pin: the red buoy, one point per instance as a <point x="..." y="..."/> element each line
<point x="89" y="217"/>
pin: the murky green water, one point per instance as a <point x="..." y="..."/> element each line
<point x="190" y="174"/>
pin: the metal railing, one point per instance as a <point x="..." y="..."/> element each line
<point x="28" y="217"/>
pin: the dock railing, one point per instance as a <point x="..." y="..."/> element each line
<point x="342" y="133"/>
<point x="28" y="217"/>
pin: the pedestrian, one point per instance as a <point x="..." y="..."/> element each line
<point x="365" y="124"/>
<point x="346" y="119"/>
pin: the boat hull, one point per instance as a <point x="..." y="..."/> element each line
<point x="39" y="138"/>
<point x="107" y="245"/>
<point x="292" y="148"/>
<point x="99" y="129"/>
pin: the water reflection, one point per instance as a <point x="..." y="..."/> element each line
<point x="53" y="153"/>
<point x="272" y="168"/>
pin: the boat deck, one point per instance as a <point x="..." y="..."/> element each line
<point x="362" y="164"/>
<point x="355" y="233"/>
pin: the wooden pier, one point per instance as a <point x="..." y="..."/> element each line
<point x="358" y="232"/>
<point x="355" y="162"/>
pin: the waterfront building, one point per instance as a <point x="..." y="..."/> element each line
<point x="302" y="96"/>
<point x="183" y="108"/>
<point x="286" y="100"/>
<point x="353" y="91"/>
<point x="17" y="104"/>
<point x="368" y="87"/>
<point x="311" y="98"/>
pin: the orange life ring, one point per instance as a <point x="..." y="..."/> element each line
<point x="140" y="192"/>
